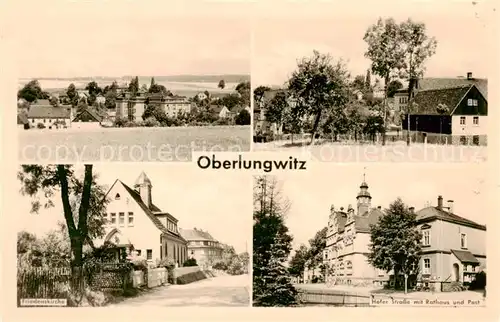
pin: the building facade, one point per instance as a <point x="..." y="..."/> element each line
<point x="51" y="117"/>
<point x="132" y="108"/>
<point x="136" y="224"/>
<point x="202" y="247"/>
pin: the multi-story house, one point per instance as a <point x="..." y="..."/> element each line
<point x="202" y="247"/>
<point x="136" y="224"/>
<point x="347" y="243"/>
<point x="132" y="108"/>
<point x="453" y="247"/>
<point x="49" y="116"/>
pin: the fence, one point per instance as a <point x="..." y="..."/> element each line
<point x="37" y="282"/>
<point x="332" y="298"/>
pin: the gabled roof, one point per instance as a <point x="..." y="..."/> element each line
<point x="465" y="256"/>
<point x="363" y="222"/>
<point x="22" y="118"/>
<point x="217" y="108"/>
<point x="430" y="83"/>
<point x="196" y="234"/>
<point x="434" y="213"/>
<point x="41" y="102"/>
<point x="427" y="100"/>
<point x="149" y="211"/>
<point x="93" y="113"/>
<point x="49" y="111"/>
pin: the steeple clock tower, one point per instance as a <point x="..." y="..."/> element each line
<point x="364" y="198"/>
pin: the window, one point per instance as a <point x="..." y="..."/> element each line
<point x="463" y="240"/>
<point x="44" y="120"/>
<point x="117" y="197"/>
<point x="427" y="266"/>
<point x="205" y="243"/>
<point x="475" y="120"/>
<point x="138" y="252"/>
<point x="130" y="218"/>
<point x="471" y="102"/>
<point x="463" y="140"/>
<point x="121" y="218"/>
<point x="113" y="218"/>
<point x="462" y="120"/>
<point x="149" y="254"/>
<point x="426" y="237"/>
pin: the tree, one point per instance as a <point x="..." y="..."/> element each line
<point x="317" y="246"/>
<point x="298" y="261"/>
<point x="276" y="108"/>
<point x="396" y="242"/>
<point x="359" y="83"/>
<point x="374" y="124"/>
<point x="158" y="88"/>
<point x="417" y="47"/>
<point x="155" y="111"/>
<point x="271" y="246"/>
<point x="385" y="52"/>
<point x="54" y="101"/>
<point x="152" y="82"/>
<point x="31" y="92"/>
<point x="243" y="118"/>
<point x="72" y="94"/>
<point x="318" y="85"/>
<point x="83" y="202"/>
<point x="229" y="101"/>
<point x="133" y="86"/>
<point x="393" y="87"/>
<point x="258" y="93"/>
<point x="222" y="84"/>
<point x="243" y="89"/>
<point x="441" y="109"/>
<point x="368" y="81"/>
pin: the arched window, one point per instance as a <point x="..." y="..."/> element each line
<point x="117" y="197"/>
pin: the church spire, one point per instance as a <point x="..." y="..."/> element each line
<point x="364" y="198"/>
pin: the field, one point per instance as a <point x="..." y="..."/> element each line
<point x="391" y="152"/>
<point x="129" y="144"/>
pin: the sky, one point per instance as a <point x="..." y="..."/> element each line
<point x="462" y="30"/>
<point x="416" y="184"/>
<point x="69" y="39"/>
<point x="220" y="204"/>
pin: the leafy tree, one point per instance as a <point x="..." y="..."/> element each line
<point x="393" y="86"/>
<point x="298" y="261"/>
<point x="271" y="246"/>
<point x="155" y="111"/>
<point x="83" y="205"/>
<point x="359" y="83"/>
<point x="368" y="81"/>
<point x="158" y="88"/>
<point x="336" y="123"/>
<point x="317" y="246"/>
<point x="292" y="123"/>
<point x="93" y="88"/>
<point x="222" y="84"/>
<point x="72" y="94"/>
<point x="374" y="124"/>
<point x="417" y="47"/>
<point x="385" y="52"/>
<point x="54" y="101"/>
<point x="243" y="118"/>
<point x="319" y="85"/>
<point x="395" y="242"/>
<point x="276" y="108"/>
<point x="243" y="89"/>
<point x="258" y="93"/>
<point x="229" y="101"/>
<point x="31" y="92"/>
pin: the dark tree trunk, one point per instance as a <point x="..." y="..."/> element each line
<point x="315" y="127"/>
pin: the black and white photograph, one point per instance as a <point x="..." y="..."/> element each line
<point x="365" y="237"/>
<point x="130" y="236"/>
<point x="389" y="83"/>
<point x="148" y="87"/>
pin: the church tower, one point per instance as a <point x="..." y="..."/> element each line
<point x="143" y="186"/>
<point x="364" y="198"/>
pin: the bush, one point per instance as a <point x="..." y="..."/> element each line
<point x="139" y="264"/>
<point x="190" y="262"/>
<point x="243" y="118"/>
<point x="151" y="122"/>
<point x="40" y="126"/>
<point x="479" y="283"/>
<point x="120" y="121"/>
<point x="191" y="277"/>
<point x="168" y="263"/>
<point x="220" y="266"/>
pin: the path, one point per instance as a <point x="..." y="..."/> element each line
<point x="216" y="291"/>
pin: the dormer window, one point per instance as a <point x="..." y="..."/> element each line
<point x="117" y="197"/>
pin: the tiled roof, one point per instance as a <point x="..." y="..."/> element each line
<point x="41" y="102"/>
<point x="196" y="234"/>
<point x="95" y="115"/>
<point x="22" y="118"/>
<point x="432" y="213"/>
<point x="465" y="256"/>
<point x="440" y="83"/>
<point x="363" y="222"/>
<point x="149" y="212"/>
<point x="427" y="100"/>
<point x="48" y="111"/>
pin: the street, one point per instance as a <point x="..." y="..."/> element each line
<point x="216" y="291"/>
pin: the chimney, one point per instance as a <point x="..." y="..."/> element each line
<point x="412" y="209"/>
<point x="450" y="206"/>
<point x="469" y="75"/>
<point x="440" y="203"/>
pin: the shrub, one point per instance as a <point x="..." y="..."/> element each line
<point x="191" y="277"/>
<point x="190" y="262"/>
<point x="168" y="263"/>
<point x="151" y="122"/>
<point x="243" y="118"/>
<point x="220" y="266"/>
<point x="120" y="121"/>
<point x="139" y="264"/>
<point x="40" y="126"/>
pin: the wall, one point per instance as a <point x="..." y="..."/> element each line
<point x="157" y="277"/>
<point x="469" y="128"/>
<point x="143" y="233"/>
<point x="48" y="122"/>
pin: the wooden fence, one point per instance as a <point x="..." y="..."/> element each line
<point x="332" y="298"/>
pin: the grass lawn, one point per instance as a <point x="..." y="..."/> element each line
<point x="391" y="152"/>
<point x="129" y="144"/>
